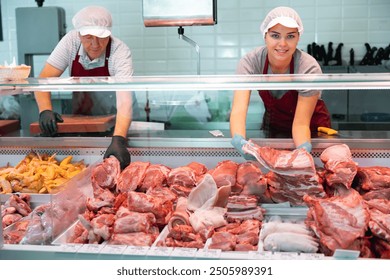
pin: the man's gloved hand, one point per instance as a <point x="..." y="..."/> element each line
<point x="118" y="149"/>
<point x="307" y="146"/>
<point x="48" y="122"/>
<point x="238" y="142"/>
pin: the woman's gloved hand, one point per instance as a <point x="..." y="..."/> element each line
<point x="118" y="149"/>
<point x="307" y="146"/>
<point x="238" y="142"/>
<point x="48" y="122"/>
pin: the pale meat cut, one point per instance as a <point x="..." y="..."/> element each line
<point x="293" y="173"/>
<point x="206" y="195"/>
<point x="181" y="215"/>
<point x="338" y="221"/>
<point x="204" y="218"/>
<point x="132" y="176"/>
<point x="339" y="166"/>
<point x="278" y="235"/>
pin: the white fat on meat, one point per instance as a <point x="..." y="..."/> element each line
<point x="336" y="153"/>
<point x="290" y="242"/>
<point x="283" y="162"/>
<point x="203" y="218"/>
<point x="206" y="195"/>
<point x="180" y="216"/>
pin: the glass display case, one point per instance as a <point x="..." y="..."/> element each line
<point x="181" y="119"/>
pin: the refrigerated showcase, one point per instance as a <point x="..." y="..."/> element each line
<point x="177" y="148"/>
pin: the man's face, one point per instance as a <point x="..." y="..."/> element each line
<point x="94" y="46"/>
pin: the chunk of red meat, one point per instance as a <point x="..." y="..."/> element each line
<point x="132" y="176"/>
<point x="339" y="166"/>
<point x="250" y="179"/>
<point x="105" y="174"/>
<point x="225" y="173"/>
<point x="182" y="176"/>
<point x="155" y="176"/>
<point x="338" y="221"/>
<point x="373" y="178"/>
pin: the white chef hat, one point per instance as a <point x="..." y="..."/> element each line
<point x="282" y="15"/>
<point x="93" y="20"/>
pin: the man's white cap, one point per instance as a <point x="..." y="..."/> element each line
<point x="282" y="15"/>
<point x="93" y="20"/>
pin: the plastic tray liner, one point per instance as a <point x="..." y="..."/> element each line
<point x="63" y="209"/>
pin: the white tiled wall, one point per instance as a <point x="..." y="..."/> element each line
<point x="159" y="51"/>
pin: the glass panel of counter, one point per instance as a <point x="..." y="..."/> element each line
<point x="187" y="102"/>
<point x="200" y="82"/>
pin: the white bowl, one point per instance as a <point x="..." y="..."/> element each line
<point x="18" y="72"/>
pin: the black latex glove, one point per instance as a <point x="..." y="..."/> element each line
<point x="118" y="149"/>
<point x="48" y="122"/>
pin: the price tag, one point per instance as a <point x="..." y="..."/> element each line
<point x="70" y="248"/>
<point x="235" y="255"/>
<point x="160" y="251"/>
<point x="113" y="249"/>
<point x="260" y="255"/>
<point x="346" y="254"/>
<point x="184" y="252"/>
<point x="286" y="255"/>
<point x="311" y="256"/>
<point x="90" y="248"/>
<point x="209" y="254"/>
<point x="136" y="250"/>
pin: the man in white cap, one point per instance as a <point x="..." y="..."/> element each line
<point x="292" y="112"/>
<point x="91" y="50"/>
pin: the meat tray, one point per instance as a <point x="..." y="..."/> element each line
<point x="154" y="251"/>
<point x="62" y="208"/>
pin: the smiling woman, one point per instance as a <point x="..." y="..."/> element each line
<point x="295" y="113"/>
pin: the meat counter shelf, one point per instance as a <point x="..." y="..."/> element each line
<point x="60" y="249"/>
<point x="175" y="152"/>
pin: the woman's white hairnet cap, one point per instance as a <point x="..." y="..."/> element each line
<point x="282" y="15"/>
<point x="93" y="20"/>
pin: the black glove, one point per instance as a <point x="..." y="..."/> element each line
<point x="118" y="149"/>
<point x="48" y="122"/>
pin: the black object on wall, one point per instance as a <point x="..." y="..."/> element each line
<point x="1" y="26"/>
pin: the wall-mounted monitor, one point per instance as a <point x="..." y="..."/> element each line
<point x="179" y="12"/>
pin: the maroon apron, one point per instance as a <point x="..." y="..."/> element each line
<point x="279" y="113"/>
<point x="92" y="103"/>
